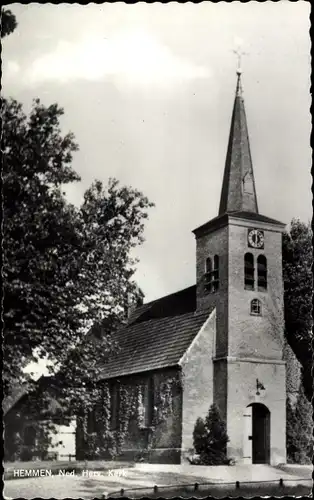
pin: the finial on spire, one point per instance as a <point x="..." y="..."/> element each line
<point x="239" y="54"/>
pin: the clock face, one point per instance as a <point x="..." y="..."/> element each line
<point x="256" y="238"/>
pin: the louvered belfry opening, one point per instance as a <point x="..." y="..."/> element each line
<point x="249" y="271"/>
<point x="262" y="273"/>
<point x="211" y="278"/>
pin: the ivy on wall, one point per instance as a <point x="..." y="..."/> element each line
<point x="104" y="440"/>
<point x="164" y="400"/>
<point x="94" y="424"/>
<point x="141" y="413"/>
<point x="127" y="411"/>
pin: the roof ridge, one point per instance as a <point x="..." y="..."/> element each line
<point x="169" y="305"/>
<point x="165" y="318"/>
<point x="166" y="296"/>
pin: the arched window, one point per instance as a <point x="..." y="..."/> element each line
<point x="146" y="403"/>
<point x="29" y="436"/>
<point x="212" y="274"/>
<point x="208" y="265"/>
<point x="91" y="421"/>
<point x="114" y="405"/>
<point x="249" y="271"/>
<point x="208" y="274"/>
<point x="256" y="307"/>
<point x="262" y="273"/>
<point x="216" y="273"/>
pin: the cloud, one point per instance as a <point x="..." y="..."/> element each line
<point x="11" y="75"/>
<point x="10" y="70"/>
<point x="134" y="58"/>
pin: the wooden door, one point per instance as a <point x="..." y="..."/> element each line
<point x="247" y="435"/>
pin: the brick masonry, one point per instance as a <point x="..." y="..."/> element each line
<point x="255" y="336"/>
<point x="215" y="243"/>
<point x="247" y="348"/>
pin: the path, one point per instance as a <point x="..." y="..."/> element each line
<point x="80" y="486"/>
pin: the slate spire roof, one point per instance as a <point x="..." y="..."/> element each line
<point x="238" y="192"/>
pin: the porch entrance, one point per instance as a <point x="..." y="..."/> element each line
<point x="260" y="434"/>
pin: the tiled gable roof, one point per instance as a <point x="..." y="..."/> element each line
<point x="158" y="342"/>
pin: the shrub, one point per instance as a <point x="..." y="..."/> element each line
<point x="199" y="436"/>
<point x="142" y="456"/>
<point x="210" y="438"/>
<point x="195" y="460"/>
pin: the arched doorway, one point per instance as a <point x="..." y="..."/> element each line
<point x="260" y="434"/>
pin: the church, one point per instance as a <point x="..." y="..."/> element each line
<point x="220" y="341"/>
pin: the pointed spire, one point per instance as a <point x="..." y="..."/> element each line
<point x="238" y="188"/>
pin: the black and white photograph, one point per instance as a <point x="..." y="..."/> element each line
<point x="157" y="250"/>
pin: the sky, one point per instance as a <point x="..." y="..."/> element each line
<point x="148" y="91"/>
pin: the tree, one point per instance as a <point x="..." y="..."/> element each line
<point x="64" y="268"/>
<point x="210" y="438"/>
<point x="303" y="416"/>
<point x="8" y="22"/>
<point x="298" y="285"/>
<point x="299" y="430"/>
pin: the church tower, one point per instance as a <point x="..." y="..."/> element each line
<point x="239" y="271"/>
